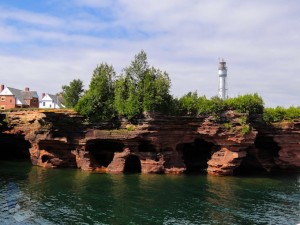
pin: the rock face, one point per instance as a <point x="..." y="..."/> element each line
<point x="226" y="145"/>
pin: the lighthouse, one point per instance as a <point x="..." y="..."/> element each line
<point x="222" y="71"/>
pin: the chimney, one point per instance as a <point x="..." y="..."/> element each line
<point x="27" y="89"/>
<point x="43" y="95"/>
<point x="2" y="87"/>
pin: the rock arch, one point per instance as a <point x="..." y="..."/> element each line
<point x="132" y="164"/>
<point x="250" y="164"/>
<point x="196" y="155"/>
<point x="102" y="151"/>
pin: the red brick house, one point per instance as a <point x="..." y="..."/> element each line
<point x="11" y="98"/>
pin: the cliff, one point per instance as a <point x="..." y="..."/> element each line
<point x="227" y="145"/>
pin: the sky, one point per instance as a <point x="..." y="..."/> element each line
<point x="46" y="44"/>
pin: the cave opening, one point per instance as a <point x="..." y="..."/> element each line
<point x="250" y="165"/>
<point x="102" y="151"/>
<point x="196" y="155"/>
<point x="265" y="150"/>
<point x="14" y="148"/>
<point x="146" y="146"/>
<point x="132" y="164"/>
<point x="58" y="153"/>
<point x="267" y="147"/>
<point x="45" y="158"/>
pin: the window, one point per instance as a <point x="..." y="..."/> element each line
<point x="34" y="101"/>
<point x="2" y="107"/>
<point x="44" y="103"/>
<point x="10" y="101"/>
<point x="2" y="99"/>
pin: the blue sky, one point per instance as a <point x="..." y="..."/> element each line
<point x="46" y="44"/>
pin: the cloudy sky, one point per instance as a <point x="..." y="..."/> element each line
<point x="46" y="44"/>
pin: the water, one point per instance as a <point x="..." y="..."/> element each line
<point x="34" y="195"/>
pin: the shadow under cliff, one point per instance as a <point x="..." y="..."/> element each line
<point x="14" y="148"/>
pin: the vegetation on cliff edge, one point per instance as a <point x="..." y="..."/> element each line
<point x="142" y="88"/>
<point x="279" y="114"/>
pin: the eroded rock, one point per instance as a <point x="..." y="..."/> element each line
<point x="159" y="144"/>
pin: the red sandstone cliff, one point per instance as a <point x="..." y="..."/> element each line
<point x="218" y="146"/>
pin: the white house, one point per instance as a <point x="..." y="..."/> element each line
<point x="51" y="102"/>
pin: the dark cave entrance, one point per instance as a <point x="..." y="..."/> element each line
<point x="265" y="150"/>
<point x="14" y="148"/>
<point x="196" y="155"/>
<point x="250" y="165"/>
<point x="267" y="147"/>
<point x="102" y="151"/>
<point x="132" y="164"/>
<point x="46" y="158"/>
<point x="146" y="146"/>
<point x="59" y="153"/>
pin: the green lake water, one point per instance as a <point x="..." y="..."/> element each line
<point x="34" y="195"/>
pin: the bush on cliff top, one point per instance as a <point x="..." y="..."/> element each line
<point x="191" y="104"/>
<point x="146" y="89"/>
<point x="279" y="114"/>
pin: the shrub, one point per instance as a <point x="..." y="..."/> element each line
<point x="249" y="103"/>
<point x="245" y="129"/>
<point x="279" y="114"/>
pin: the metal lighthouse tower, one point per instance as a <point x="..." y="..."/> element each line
<point x="222" y="71"/>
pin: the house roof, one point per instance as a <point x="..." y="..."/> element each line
<point x="29" y="94"/>
<point x="18" y="95"/>
<point x="56" y="99"/>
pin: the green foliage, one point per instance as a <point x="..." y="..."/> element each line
<point x="141" y="89"/>
<point x="204" y="106"/>
<point x="216" y="105"/>
<point x="245" y="129"/>
<point x="121" y="95"/>
<point x="243" y="120"/>
<point x="131" y="128"/>
<point x="97" y="102"/>
<point x="229" y="126"/>
<point x="279" y="114"/>
<point x="188" y="104"/>
<point x="248" y="103"/>
<point x="72" y="93"/>
<point x="191" y="104"/>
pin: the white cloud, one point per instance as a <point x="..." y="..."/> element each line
<point x="259" y="40"/>
<point x="28" y="17"/>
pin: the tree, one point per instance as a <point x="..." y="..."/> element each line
<point x="121" y="95"/>
<point x="97" y="102"/>
<point x="142" y="89"/>
<point x="248" y="103"/>
<point x="138" y="67"/>
<point x="188" y="103"/>
<point x="71" y="93"/>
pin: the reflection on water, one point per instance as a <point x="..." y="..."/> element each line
<point x="67" y="196"/>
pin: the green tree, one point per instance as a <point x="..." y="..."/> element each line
<point x="97" y="102"/>
<point x="248" y="103"/>
<point x="188" y="103"/>
<point x="71" y="93"/>
<point x="121" y="95"/>
<point x="138" y="67"/>
<point x="163" y="98"/>
<point x="141" y="89"/>
<point x="155" y="88"/>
